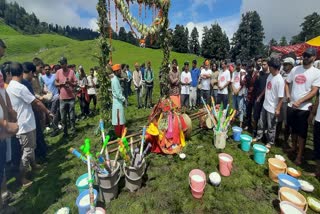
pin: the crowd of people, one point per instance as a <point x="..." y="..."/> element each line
<point x="35" y="95"/>
<point x="272" y="97"/>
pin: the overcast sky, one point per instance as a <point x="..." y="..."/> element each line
<point x="279" y="17"/>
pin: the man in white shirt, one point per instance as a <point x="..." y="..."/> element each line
<point x="205" y="78"/>
<point x="92" y="88"/>
<point x="274" y="92"/>
<point x="238" y="90"/>
<point x="22" y="102"/>
<point x="223" y="83"/>
<point x="137" y="82"/>
<point x="185" y="80"/>
<point x="305" y="80"/>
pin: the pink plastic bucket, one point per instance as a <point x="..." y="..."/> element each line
<point x="197" y="193"/>
<point x="225" y="164"/>
<point x="197" y="179"/>
<point x="99" y="210"/>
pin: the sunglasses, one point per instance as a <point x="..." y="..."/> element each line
<point x="306" y="56"/>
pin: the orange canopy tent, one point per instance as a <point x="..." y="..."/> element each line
<point x="298" y="49"/>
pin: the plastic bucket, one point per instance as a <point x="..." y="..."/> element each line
<point x="259" y="153"/>
<point x="225" y="164"/>
<point x="287" y="207"/>
<point x="134" y="175"/>
<point x="82" y="182"/>
<point x="276" y="167"/>
<point x="197" y="193"/>
<point x="288" y="181"/>
<point x="99" y="210"/>
<point x="109" y="180"/>
<point x="109" y="193"/>
<point x="197" y="179"/>
<point x="236" y="133"/>
<point x="220" y="139"/>
<point x="83" y="201"/>
<point x="294" y="197"/>
<point x="245" y="142"/>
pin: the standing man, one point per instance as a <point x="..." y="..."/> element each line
<point x="274" y="93"/>
<point x="214" y="81"/>
<point x="8" y="127"/>
<point x="92" y="89"/>
<point x="148" y="78"/>
<point x="22" y="102"/>
<point x="66" y="81"/>
<point x="137" y="82"/>
<point x="223" y="83"/>
<point x="195" y="74"/>
<point x="238" y="91"/>
<point x="305" y="80"/>
<point x="49" y="83"/>
<point x="205" y="77"/>
<point x="174" y="79"/>
<point x="118" y="117"/>
<point x="259" y="90"/>
<point x="288" y="64"/>
<point x="315" y="114"/>
<point x="185" y="80"/>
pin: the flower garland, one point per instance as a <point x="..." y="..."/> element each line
<point x="158" y="22"/>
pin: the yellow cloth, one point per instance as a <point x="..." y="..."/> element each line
<point x="314" y="42"/>
<point x="153" y="130"/>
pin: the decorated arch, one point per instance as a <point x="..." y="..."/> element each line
<point x="158" y="26"/>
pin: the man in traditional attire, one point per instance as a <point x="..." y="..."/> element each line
<point x="118" y="118"/>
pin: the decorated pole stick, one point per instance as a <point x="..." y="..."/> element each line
<point x="85" y="148"/>
<point x="136" y="152"/>
<point x="219" y="117"/>
<point x="116" y="158"/>
<point x="142" y="139"/>
<point x="209" y="114"/>
<point x="144" y="154"/>
<point x="131" y="147"/>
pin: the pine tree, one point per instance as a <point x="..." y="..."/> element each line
<point x="310" y="29"/>
<point x="122" y="34"/>
<point x="215" y="43"/>
<point x="179" y="42"/>
<point x="248" y="40"/>
<point x="273" y="42"/>
<point x="283" y="41"/>
<point x="194" y="45"/>
<point x="131" y="39"/>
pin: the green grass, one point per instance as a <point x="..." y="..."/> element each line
<point x="7" y="30"/>
<point x="165" y="188"/>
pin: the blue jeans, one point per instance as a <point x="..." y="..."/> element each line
<point x="239" y="105"/>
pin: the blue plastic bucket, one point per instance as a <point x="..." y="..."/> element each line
<point x="236" y="133"/>
<point x="288" y="181"/>
<point x="84" y="185"/>
<point x="259" y="153"/>
<point x="84" y="208"/>
<point x="245" y="142"/>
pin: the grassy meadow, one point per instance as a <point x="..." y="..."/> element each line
<point x="165" y="185"/>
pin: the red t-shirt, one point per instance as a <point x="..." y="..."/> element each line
<point x="66" y="91"/>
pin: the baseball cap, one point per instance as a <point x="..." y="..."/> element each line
<point x="289" y="60"/>
<point x="63" y="61"/>
<point x="116" y="67"/>
<point x="310" y="51"/>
